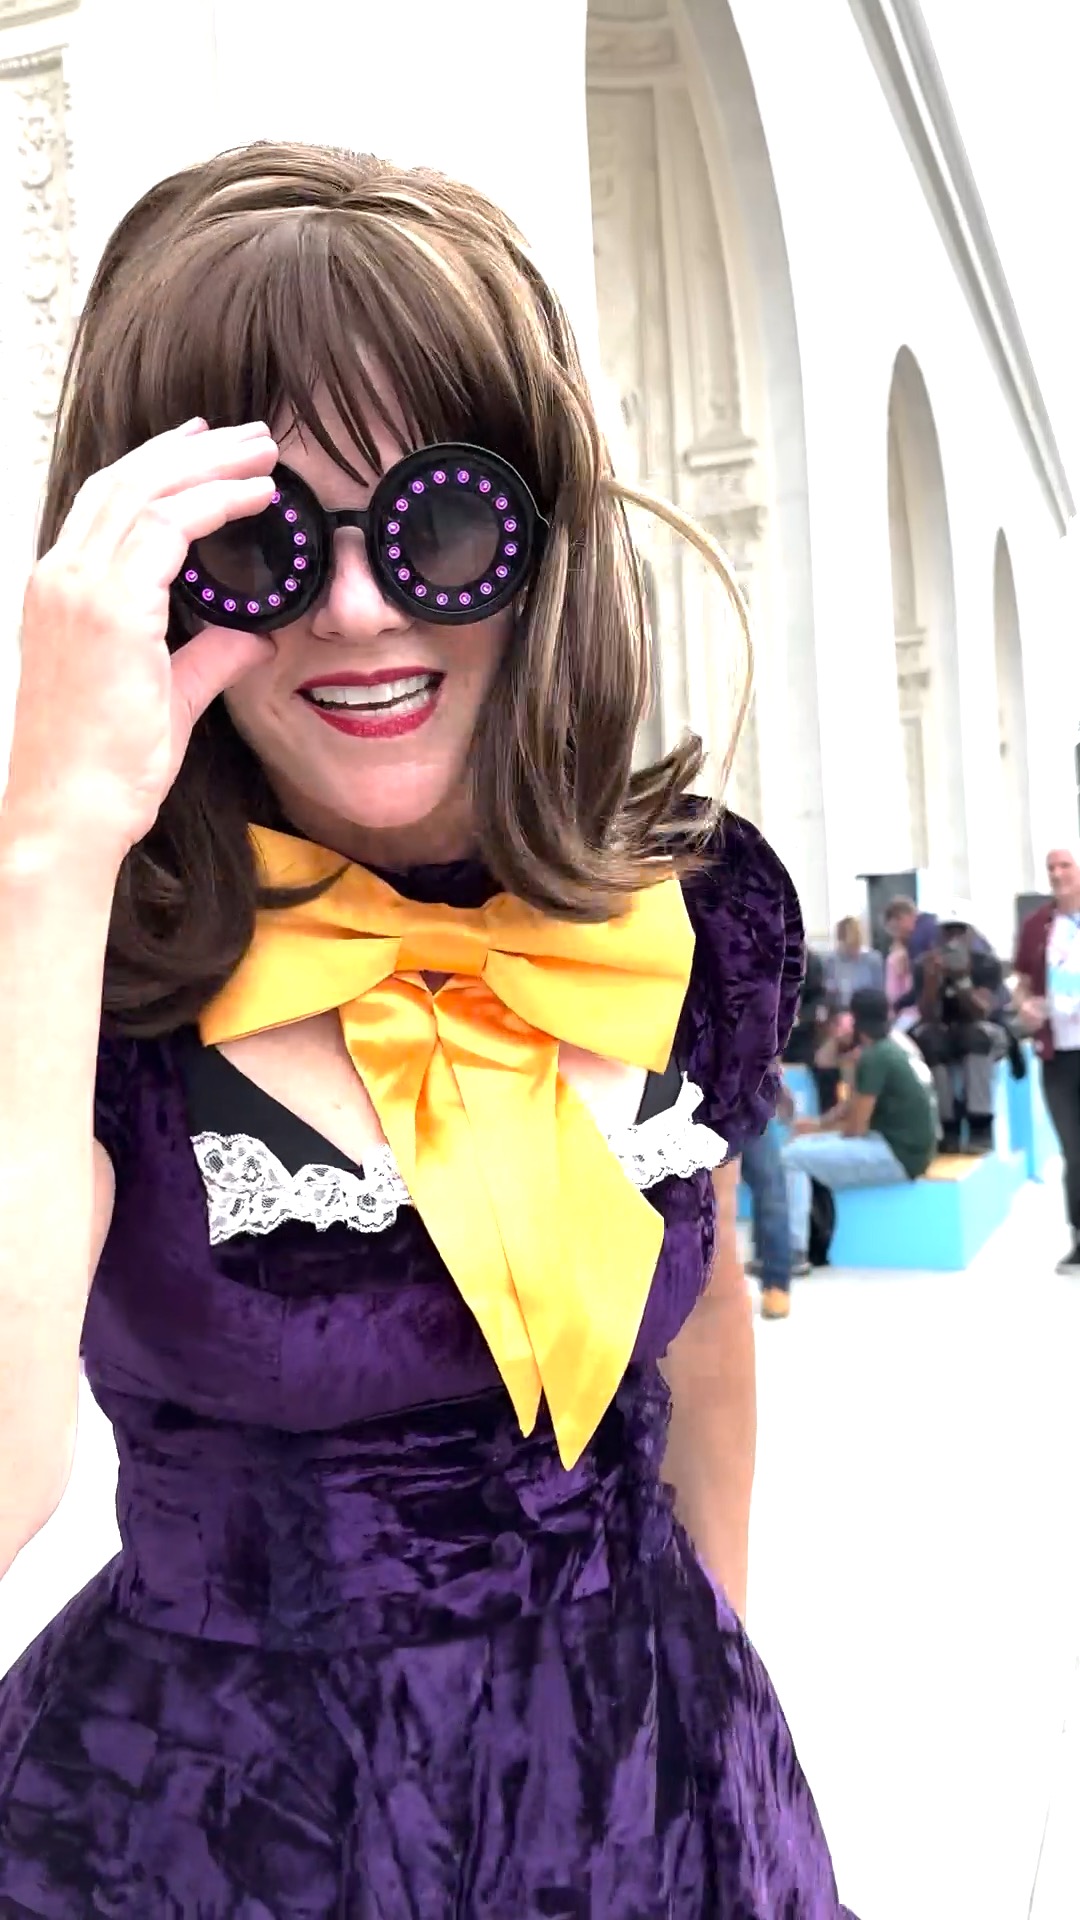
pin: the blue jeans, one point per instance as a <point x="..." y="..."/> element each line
<point x="763" y="1171"/>
<point x="837" y="1162"/>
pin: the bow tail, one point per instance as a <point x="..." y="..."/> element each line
<point x="608" y="1275"/>
<point x="393" y="1038"/>
<point x="581" y="1242"/>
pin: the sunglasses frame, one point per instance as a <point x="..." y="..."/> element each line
<point x="454" y="465"/>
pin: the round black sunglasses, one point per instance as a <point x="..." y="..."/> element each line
<point x="452" y="534"/>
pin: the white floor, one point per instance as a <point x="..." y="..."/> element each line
<point x="915" y="1573"/>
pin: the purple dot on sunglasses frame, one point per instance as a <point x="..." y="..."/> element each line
<point x="291" y="586"/>
<point x="463" y="477"/>
<point x="208" y="593"/>
<point x="191" y="575"/>
<point x="510" y="549"/>
<point x="509" y="526"/>
<point x="230" y="606"/>
<point x="502" y="573"/>
<point x="442" y="599"/>
<point x="485" y="486"/>
<point x="299" y="539"/>
<point x="393" y="553"/>
<point x="403" y="573"/>
<point x="273" y="599"/>
<point x="487" y="587"/>
<point x="417" y="486"/>
<point x="291" y="514"/>
<point x="439" y="477"/>
<point x="253" y="606"/>
<point x="275" y="499"/>
<point x="420" y="590"/>
<point x="300" y="563"/>
<point x="502" y="503"/>
<point x="465" y="599"/>
<point x="393" y="526"/>
<point x="401" y="506"/>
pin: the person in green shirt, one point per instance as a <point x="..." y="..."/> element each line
<point x="883" y="1134"/>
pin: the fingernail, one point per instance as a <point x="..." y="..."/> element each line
<point x="191" y="426"/>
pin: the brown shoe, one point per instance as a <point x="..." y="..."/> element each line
<point x="775" y="1303"/>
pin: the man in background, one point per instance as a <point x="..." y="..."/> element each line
<point x="1047" y="1000"/>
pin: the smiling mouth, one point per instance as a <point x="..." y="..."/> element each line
<point x="409" y="694"/>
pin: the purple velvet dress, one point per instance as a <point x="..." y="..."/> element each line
<point x="366" y="1650"/>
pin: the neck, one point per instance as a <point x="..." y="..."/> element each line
<point x="444" y="836"/>
<point x="1068" y="902"/>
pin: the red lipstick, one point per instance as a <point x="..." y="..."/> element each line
<point x="377" y="722"/>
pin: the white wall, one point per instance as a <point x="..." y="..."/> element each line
<point x="473" y="90"/>
<point x="870" y="274"/>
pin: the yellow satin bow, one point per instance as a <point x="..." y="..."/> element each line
<point x="549" y="1244"/>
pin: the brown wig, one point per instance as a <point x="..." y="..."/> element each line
<point x="235" y="290"/>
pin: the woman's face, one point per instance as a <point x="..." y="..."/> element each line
<point x="384" y="782"/>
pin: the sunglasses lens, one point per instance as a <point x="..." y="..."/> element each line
<point x="259" y="573"/>
<point x="452" y="538"/>
<point x="453" y="532"/>
<point x="247" y="558"/>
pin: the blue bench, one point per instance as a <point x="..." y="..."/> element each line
<point x="935" y="1225"/>
<point x="939" y="1223"/>
<point x="1030" y="1125"/>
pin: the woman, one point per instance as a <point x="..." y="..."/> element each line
<point x="851" y="965"/>
<point x="428" y="1029"/>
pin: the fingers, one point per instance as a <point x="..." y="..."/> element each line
<point x="214" y="660"/>
<point x="157" y="543"/>
<point x="111" y="502"/>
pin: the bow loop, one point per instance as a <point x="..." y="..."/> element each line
<point x="443" y="942"/>
<point x="549" y="1244"/>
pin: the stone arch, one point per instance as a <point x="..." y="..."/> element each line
<point x="924" y="624"/>
<point x="1017" y="845"/>
<point x="700" y="353"/>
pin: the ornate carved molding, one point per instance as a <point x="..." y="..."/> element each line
<point x="43" y="263"/>
<point x="629" y="39"/>
<point x="13" y="13"/>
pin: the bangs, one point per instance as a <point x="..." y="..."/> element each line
<point x="254" y="316"/>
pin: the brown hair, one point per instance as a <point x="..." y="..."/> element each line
<point x="233" y="290"/>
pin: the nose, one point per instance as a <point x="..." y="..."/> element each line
<point x="352" y="605"/>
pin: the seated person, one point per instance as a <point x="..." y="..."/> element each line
<point x="960" y="992"/>
<point x="883" y="1134"/>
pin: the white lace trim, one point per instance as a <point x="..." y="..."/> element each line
<point x="250" y="1191"/>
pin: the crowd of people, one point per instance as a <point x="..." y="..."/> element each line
<point x="902" y="1047"/>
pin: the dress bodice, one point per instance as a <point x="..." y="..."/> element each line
<point x="310" y="1330"/>
<point x="314" y="1441"/>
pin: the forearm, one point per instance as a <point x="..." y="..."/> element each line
<point x="710" y="1452"/>
<point x="55" y="899"/>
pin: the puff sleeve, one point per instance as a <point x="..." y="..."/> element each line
<point x="744" y="988"/>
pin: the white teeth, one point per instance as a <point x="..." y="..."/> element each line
<point x="387" y="693"/>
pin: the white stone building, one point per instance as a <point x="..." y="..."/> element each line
<point x="763" y="218"/>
